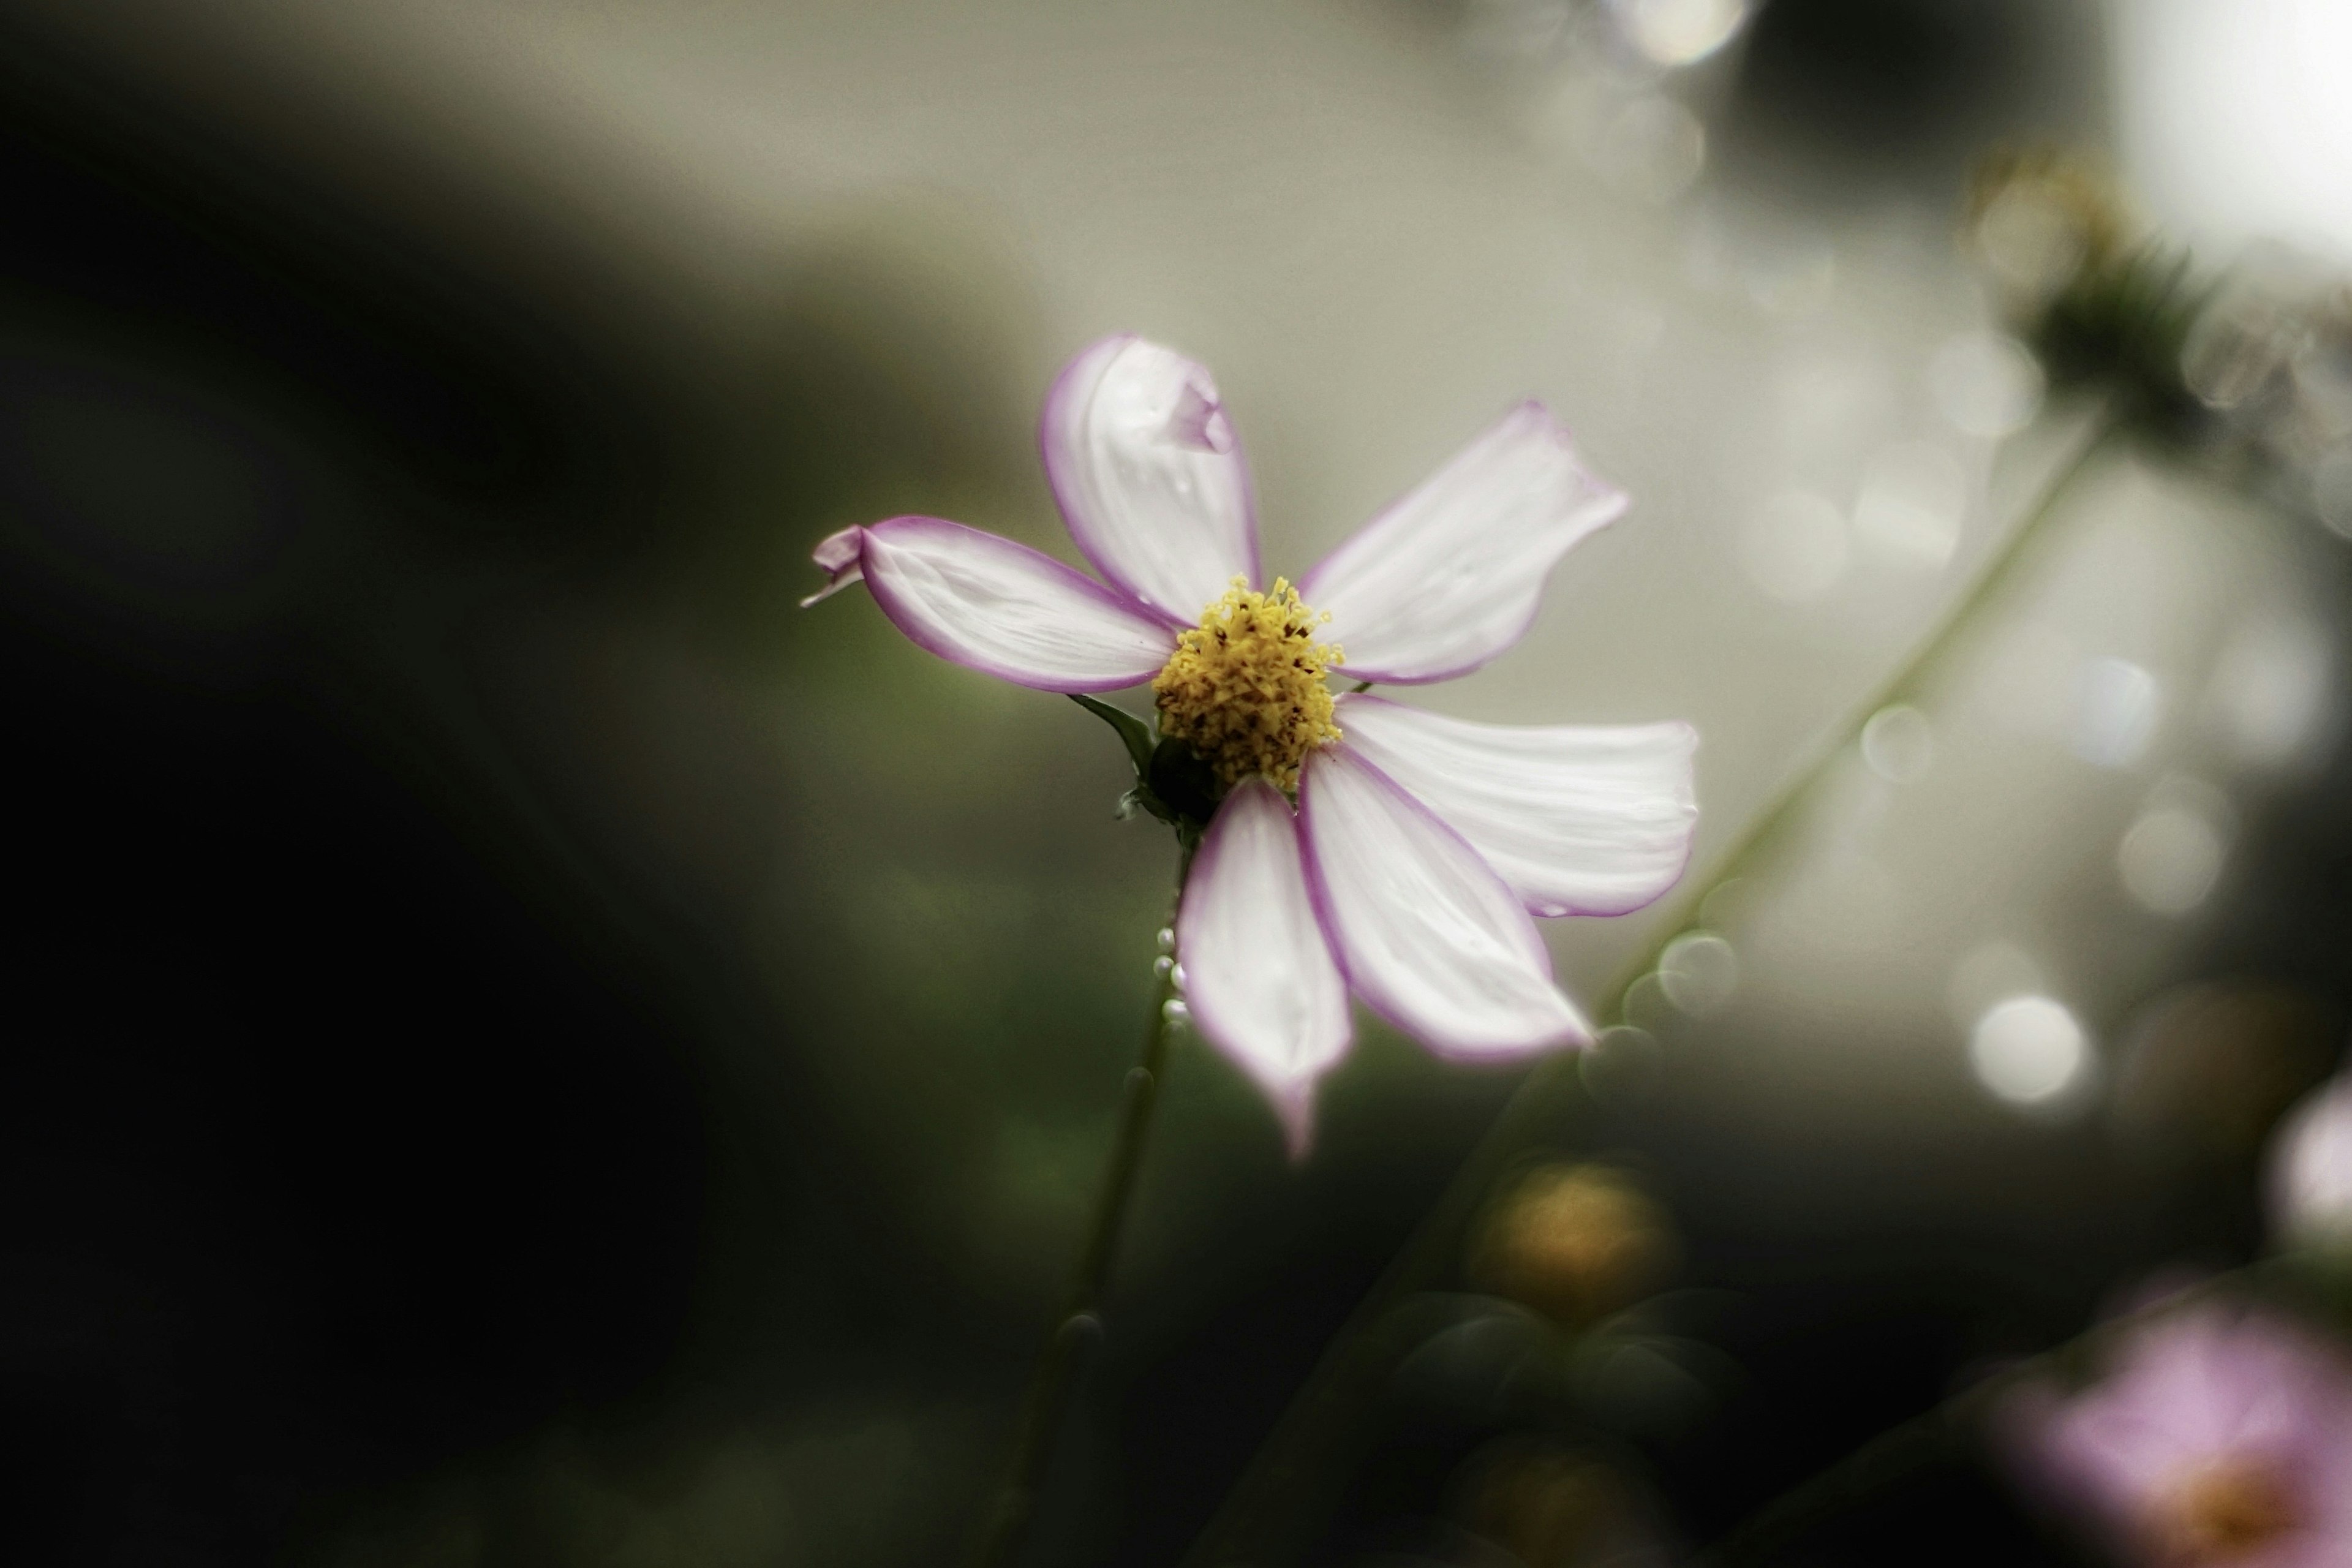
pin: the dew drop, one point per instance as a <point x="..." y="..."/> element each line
<point x="1162" y="965"/>
<point x="1166" y="939"/>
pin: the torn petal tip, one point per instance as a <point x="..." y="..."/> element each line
<point x="1199" y="420"/>
<point x="842" y="557"/>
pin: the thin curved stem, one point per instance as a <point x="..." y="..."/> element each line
<point x="1993" y="579"/>
<point x="1267" y="1507"/>
<point x="1080" y="1323"/>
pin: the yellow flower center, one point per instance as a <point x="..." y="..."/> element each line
<point x="2229" y="1510"/>
<point x="1246" y="687"/>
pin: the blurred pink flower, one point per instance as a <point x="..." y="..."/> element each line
<point x="2223" y="1435"/>
<point x="2311" y="1169"/>
<point x="1419" y="847"/>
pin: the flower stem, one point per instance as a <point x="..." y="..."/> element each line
<point x="1273" y="1512"/>
<point x="1993" y="578"/>
<point x="1080" y="1323"/>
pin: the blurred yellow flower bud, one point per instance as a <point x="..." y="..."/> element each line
<point x="1551" y="1507"/>
<point x="2041" y="220"/>
<point x="1576" y="1242"/>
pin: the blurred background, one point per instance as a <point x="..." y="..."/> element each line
<point x="527" y="1047"/>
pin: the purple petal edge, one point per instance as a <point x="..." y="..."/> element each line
<point x="911" y="626"/>
<point x="1293" y="1103"/>
<point x="1597" y="912"/>
<point x="1618" y="502"/>
<point x="1057" y="397"/>
<point x="842" y="557"/>
<point x="1321" y="896"/>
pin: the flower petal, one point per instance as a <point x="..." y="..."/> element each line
<point x="842" y="557"/>
<point x="1258" y="975"/>
<point x="1425" y="930"/>
<point x="1150" y="476"/>
<point x="1579" y="820"/>
<point x="1452" y="574"/>
<point x="995" y="605"/>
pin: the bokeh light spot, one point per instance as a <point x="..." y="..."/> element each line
<point x="2271" y="687"/>
<point x="2115" y="705"/>
<point x="2031" y="238"/>
<point x="2311" y="1169"/>
<point x="2028" y="1050"/>
<point x="1914" y="499"/>
<point x="1987" y="975"/>
<point x="1677" y="32"/>
<point x="2170" y="859"/>
<point x="1699" y="972"/>
<point x="1986" y="383"/>
<point x="1898" y="744"/>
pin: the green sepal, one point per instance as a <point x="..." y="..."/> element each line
<point x="1171" y="781"/>
<point x="1185" y="784"/>
<point x="1133" y="733"/>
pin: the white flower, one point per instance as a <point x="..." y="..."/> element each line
<point x="1420" y="847"/>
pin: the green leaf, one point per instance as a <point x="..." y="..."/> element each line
<point x="1133" y="733"/>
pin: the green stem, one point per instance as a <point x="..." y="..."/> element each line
<point x="1283" y="1483"/>
<point x="1080" y="1323"/>
<point x="1993" y="579"/>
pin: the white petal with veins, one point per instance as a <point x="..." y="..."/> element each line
<point x="1258" y="975"/>
<point x="1452" y="574"/>
<point x="993" y="605"/>
<point x="1425" y="930"/>
<point x="1579" y="819"/>
<point x="1150" y="476"/>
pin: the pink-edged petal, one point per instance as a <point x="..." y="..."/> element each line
<point x="1451" y="575"/>
<point x="1001" y="608"/>
<point x="1258" y="974"/>
<point x="1424" y="929"/>
<point x="1579" y="819"/>
<point x="1149" y="475"/>
<point x="842" y="557"/>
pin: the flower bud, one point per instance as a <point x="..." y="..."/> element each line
<point x="1553" y="1508"/>
<point x="1576" y="1242"/>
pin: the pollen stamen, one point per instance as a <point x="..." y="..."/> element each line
<point x="1246" y="687"/>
